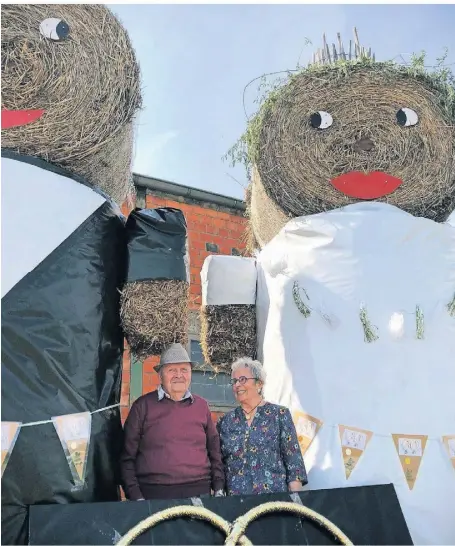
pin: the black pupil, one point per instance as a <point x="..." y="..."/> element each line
<point x="62" y="30"/>
<point x="401" y="117"/>
<point x="316" y="120"/>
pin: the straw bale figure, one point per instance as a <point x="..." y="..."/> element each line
<point x="349" y="301"/>
<point x="326" y="122"/>
<point x="70" y="92"/>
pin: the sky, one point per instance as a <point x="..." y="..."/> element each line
<point x="197" y="59"/>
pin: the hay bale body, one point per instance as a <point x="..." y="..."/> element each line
<point x="88" y="84"/>
<point x="228" y="332"/>
<point x="296" y="162"/>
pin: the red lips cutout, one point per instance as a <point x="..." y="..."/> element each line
<point x="366" y="186"/>
<point x="16" y="118"/>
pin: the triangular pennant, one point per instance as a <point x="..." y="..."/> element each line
<point x="307" y="427"/>
<point x="410" y="448"/>
<point x="74" y="433"/>
<point x="353" y="443"/>
<point x="449" y="442"/>
<point x="10" y="432"/>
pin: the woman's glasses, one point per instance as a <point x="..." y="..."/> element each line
<point x="241" y="380"/>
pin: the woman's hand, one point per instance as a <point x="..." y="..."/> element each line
<point x="295" y="486"/>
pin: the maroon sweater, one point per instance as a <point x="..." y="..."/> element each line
<point x="170" y="443"/>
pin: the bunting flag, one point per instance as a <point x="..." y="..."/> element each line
<point x="449" y="442"/>
<point x="353" y="443"/>
<point x="307" y="427"/>
<point x="410" y="449"/>
<point x="10" y="432"/>
<point x="74" y="432"/>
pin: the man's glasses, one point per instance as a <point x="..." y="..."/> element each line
<point x="241" y="380"/>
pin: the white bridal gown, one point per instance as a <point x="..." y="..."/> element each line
<point x="400" y="270"/>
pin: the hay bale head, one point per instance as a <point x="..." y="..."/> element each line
<point x="76" y="63"/>
<point x="330" y="121"/>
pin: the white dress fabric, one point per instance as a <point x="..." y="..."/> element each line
<point x="395" y="266"/>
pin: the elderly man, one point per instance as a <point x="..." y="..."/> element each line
<point x="172" y="447"/>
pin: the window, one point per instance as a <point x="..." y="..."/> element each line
<point x="196" y="352"/>
<point x="211" y="247"/>
<point x="214" y="387"/>
<point x="235" y="252"/>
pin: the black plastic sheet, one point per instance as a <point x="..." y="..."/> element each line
<point x="62" y="348"/>
<point x="157" y="245"/>
<point x="367" y="515"/>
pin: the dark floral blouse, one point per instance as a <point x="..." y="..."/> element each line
<point x="264" y="457"/>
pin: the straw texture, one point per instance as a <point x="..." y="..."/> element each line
<point x="88" y="84"/>
<point x="296" y="162"/>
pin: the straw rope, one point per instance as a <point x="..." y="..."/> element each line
<point x="242" y="522"/>
<point x="176" y="512"/>
<point x="235" y="533"/>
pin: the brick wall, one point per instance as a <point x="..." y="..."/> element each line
<point x="206" y="226"/>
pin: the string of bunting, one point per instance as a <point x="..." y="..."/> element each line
<point x="354" y="441"/>
<point x="74" y="432"/>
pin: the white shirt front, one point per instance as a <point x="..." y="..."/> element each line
<point x="40" y="209"/>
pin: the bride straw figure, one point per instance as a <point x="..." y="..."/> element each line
<point x="350" y="299"/>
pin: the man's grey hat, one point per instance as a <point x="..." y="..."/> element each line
<point x="174" y="354"/>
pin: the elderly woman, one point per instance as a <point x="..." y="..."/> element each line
<point x="259" y="445"/>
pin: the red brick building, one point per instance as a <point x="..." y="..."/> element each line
<point x="216" y="225"/>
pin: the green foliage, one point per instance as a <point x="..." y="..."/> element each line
<point x="451" y="306"/>
<point x="440" y="78"/>
<point x="420" y="323"/>
<point x="245" y="150"/>
<point x="301" y="305"/>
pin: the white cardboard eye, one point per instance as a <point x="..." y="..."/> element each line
<point x="411" y="117"/>
<point x="48" y="28"/>
<point x="326" y="120"/>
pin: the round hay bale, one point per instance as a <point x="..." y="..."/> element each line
<point x="110" y="167"/>
<point x="266" y="217"/>
<point x="296" y="161"/>
<point x="227" y="332"/>
<point x="88" y="84"/>
<point x="248" y="236"/>
<point x="154" y="314"/>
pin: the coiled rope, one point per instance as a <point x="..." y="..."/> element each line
<point x="242" y="522"/>
<point x="235" y="533"/>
